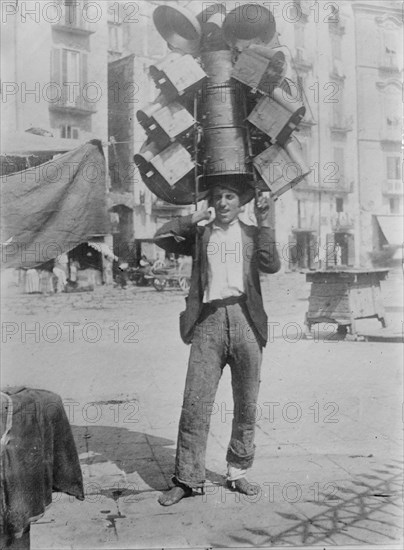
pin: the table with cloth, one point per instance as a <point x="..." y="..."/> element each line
<point x="38" y="456"/>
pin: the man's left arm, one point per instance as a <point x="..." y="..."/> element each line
<point x="267" y="254"/>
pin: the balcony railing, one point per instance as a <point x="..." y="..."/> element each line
<point x="342" y="220"/>
<point x="390" y="62"/>
<point x="79" y="105"/>
<point x="71" y="17"/>
<point x="341" y="124"/>
<point x="393" y="187"/>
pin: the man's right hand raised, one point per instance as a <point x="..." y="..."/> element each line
<point x="200" y="215"/>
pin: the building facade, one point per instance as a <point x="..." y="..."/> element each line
<point x="54" y="76"/>
<point x="346" y="58"/>
<point x="317" y="218"/>
<point x="379" y="83"/>
<point x="54" y="69"/>
<point x="79" y="68"/>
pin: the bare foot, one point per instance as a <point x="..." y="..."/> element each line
<point x="243" y="486"/>
<point x="174" y="495"/>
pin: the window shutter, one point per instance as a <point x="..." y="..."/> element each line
<point x="55" y="66"/>
<point x="84" y="69"/>
<point x="351" y="249"/>
<point x="293" y="252"/>
<point x="314" y="261"/>
<point x="339" y="160"/>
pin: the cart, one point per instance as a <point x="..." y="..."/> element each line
<point x="342" y="296"/>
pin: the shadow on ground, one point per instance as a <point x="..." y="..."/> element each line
<point x="369" y="509"/>
<point x="151" y="457"/>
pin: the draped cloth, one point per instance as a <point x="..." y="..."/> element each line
<point x="38" y="456"/>
<point x="53" y="207"/>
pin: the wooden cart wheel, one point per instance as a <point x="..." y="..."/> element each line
<point x="184" y="283"/>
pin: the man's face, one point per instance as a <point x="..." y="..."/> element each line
<point x="226" y="204"/>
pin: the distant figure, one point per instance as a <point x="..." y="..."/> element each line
<point x="74" y="273"/>
<point x="45" y="282"/>
<point x="60" y="271"/>
<point x="122" y="276"/>
<point x="338" y="254"/>
<point x="32" y="282"/>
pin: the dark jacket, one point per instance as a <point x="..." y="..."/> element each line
<point x="258" y="253"/>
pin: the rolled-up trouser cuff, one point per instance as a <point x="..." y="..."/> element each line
<point x="191" y="484"/>
<point x="243" y="463"/>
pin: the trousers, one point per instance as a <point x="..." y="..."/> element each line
<point x="223" y="335"/>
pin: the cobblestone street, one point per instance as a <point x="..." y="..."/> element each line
<point x="329" y="437"/>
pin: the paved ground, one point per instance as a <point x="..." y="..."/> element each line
<point x="329" y="437"/>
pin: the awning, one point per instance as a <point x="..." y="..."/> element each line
<point x="104" y="249"/>
<point x="392" y="228"/>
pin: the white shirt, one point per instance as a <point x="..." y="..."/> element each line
<point x="225" y="263"/>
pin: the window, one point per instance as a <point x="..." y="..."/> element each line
<point x="115" y="38"/>
<point x="394" y="204"/>
<point x="69" y="71"/>
<point x="301" y="213"/>
<point x="337" y="65"/>
<point x="393" y="168"/>
<point x="69" y="132"/>
<point x="338" y="109"/>
<point x="339" y="204"/>
<point x="340" y="165"/>
<point x="72" y="59"/>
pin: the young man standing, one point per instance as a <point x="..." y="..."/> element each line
<point x="225" y="323"/>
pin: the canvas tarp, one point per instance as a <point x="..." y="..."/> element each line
<point x="25" y="143"/>
<point x="53" y="207"/>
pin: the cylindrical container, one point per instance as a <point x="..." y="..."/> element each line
<point x="248" y="24"/>
<point x="179" y="27"/>
<point x="221" y="108"/>
<point x="225" y="153"/>
<point x="221" y="114"/>
<point x="218" y="66"/>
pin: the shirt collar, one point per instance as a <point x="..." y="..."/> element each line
<point x="233" y="223"/>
